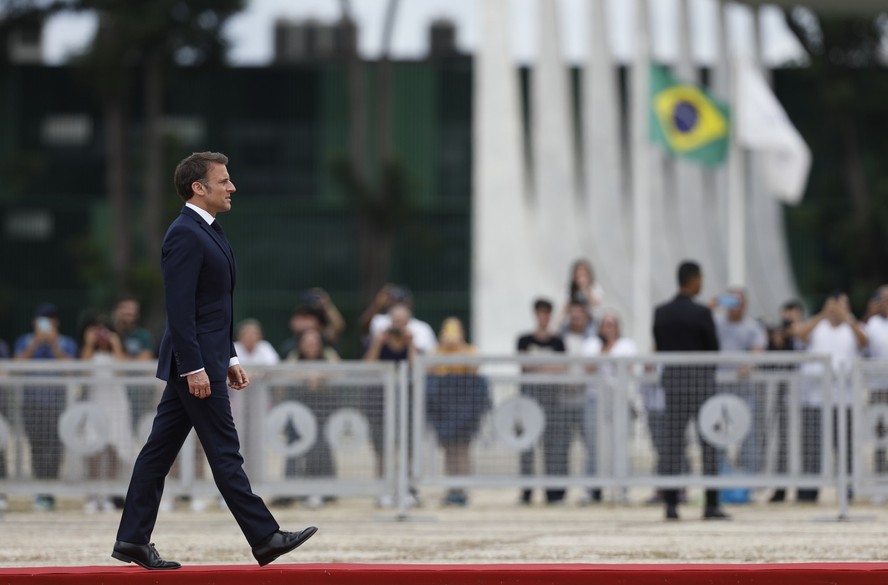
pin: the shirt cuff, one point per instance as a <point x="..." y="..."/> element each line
<point x="233" y="361"/>
<point x="189" y="373"/>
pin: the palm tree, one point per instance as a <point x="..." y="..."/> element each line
<point x="837" y="50"/>
<point x="135" y="41"/>
<point x="379" y="190"/>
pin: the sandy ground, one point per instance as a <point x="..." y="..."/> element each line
<point x="492" y="529"/>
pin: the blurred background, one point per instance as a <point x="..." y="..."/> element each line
<point x="362" y="140"/>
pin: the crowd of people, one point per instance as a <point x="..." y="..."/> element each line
<point x="582" y="326"/>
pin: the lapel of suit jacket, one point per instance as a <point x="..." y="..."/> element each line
<point x="220" y="241"/>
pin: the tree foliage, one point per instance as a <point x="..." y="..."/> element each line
<point x="135" y="44"/>
<point x="839" y="234"/>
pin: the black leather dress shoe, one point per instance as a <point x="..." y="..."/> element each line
<point x="280" y="543"/>
<point x="715" y="513"/>
<point x="141" y="554"/>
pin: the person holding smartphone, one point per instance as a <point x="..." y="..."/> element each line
<point x="43" y="405"/>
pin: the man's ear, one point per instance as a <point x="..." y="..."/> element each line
<point x="198" y="188"/>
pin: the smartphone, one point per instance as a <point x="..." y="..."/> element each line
<point x="44" y="325"/>
<point x="728" y="301"/>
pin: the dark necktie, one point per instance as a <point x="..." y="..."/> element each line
<point x="218" y="227"/>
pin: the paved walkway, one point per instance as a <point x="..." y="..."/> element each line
<point x="492" y="529"/>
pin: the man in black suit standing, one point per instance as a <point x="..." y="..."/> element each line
<point x="196" y="359"/>
<point x="684" y="325"/>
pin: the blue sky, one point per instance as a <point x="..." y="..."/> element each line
<point x="250" y="31"/>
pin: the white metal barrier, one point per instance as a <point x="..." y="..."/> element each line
<point x="529" y="422"/>
<point x="557" y="422"/>
<point x="71" y="427"/>
<point x="870" y="429"/>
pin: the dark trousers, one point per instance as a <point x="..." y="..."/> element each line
<point x="41" y="410"/>
<point x="880" y="457"/>
<point x="563" y="421"/>
<point x="685" y="393"/>
<point x="5" y="404"/>
<point x="812" y="452"/>
<point x="211" y="418"/>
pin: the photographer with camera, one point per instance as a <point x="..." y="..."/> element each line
<point x="393" y="344"/>
<point x="377" y="319"/>
<point x="102" y="345"/>
<point x="781" y="338"/>
<point x="334" y="323"/>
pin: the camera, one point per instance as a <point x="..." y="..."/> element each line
<point x="102" y="334"/>
<point x="313" y="298"/>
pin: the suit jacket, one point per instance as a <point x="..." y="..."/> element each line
<point x="682" y="324"/>
<point x="199" y="274"/>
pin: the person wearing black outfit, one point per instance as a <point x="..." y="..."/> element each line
<point x="781" y="338"/>
<point x="684" y="325"/>
<point x="556" y="438"/>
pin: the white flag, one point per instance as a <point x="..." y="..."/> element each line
<point x="763" y="125"/>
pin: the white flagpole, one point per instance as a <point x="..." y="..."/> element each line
<point x="641" y="183"/>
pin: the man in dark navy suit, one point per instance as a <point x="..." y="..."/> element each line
<point x="196" y="359"/>
<point x="684" y="325"/>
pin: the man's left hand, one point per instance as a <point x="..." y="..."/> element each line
<point x="237" y="377"/>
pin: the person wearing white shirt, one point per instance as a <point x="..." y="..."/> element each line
<point x="738" y="332"/>
<point x="835" y="332"/>
<point x="609" y="342"/>
<point x="251" y="348"/>
<point x="424" y="338"/>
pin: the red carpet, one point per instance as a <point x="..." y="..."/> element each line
<point x="352" y="574"/>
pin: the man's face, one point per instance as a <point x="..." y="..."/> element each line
<point x="400" y="315"/>
<point x="543" y="316"/>
<point x="836" y="308"/>
<point x="126" y="313"/>
<point x="577" y="318"/>
<point x="215" y="190"/>
<point x="792" y="314"/>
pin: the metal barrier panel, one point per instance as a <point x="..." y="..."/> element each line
<point x="306" y="429"/>
<point x="870" y="429"/>
<point x="728" y="420"/>
<point x="322" y="429"/>
<point x="74" y="427"/>
<point x="661" y="420"/>
<point x="484" y="421"/>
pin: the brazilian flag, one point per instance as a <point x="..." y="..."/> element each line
<point x="687" y="120"/>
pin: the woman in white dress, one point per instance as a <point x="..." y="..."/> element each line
<point x="608" y="342"/>
<point x="102" y="345"/>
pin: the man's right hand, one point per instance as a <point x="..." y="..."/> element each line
<point x="199" y="384"/>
